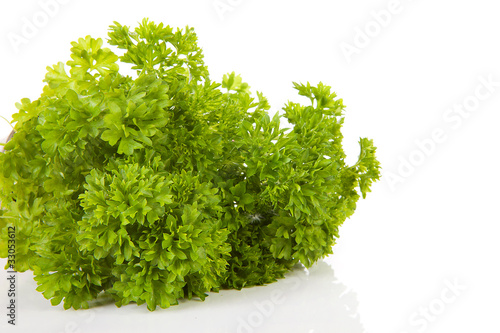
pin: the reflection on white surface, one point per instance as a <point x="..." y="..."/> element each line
<point x="308" y="301"/>
<point x="305" y="301"/>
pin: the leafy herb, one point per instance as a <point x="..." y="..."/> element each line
<point x="169" y="185"/>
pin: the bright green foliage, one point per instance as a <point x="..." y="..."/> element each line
<point x="168" y="185"/>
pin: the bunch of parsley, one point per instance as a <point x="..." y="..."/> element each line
<point x="169" y="185"/>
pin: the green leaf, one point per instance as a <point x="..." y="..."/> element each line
<point x="128" y="145"/>
<point x="246" y="199"/>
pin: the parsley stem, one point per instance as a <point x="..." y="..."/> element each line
<point x="8" y="122"/>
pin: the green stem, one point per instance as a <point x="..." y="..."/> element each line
<point x="8" y="122"/>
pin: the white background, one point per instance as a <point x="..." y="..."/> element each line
<point x="430" y="223"/>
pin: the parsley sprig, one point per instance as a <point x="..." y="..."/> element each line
<point x="168" y="185"/>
